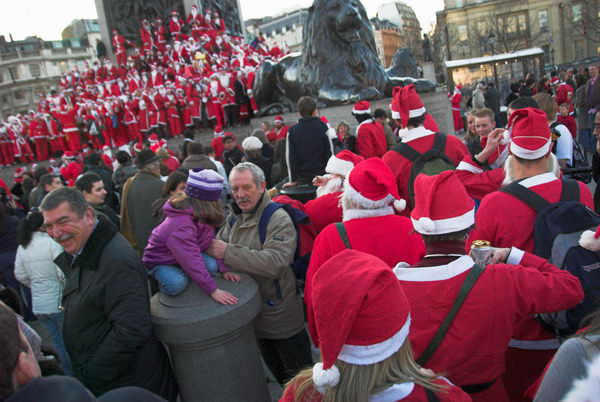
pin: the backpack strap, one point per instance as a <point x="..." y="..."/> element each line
<point x="265" y="218"/>
<point x="570" y="191"/>
<point x="431" y="395"/>
<point x="439" y="142"/>
<point x="529" y="197"/>
<point x="407" y="151"/>
<point x="438" y="337"/>
<point x="343" y="234"/>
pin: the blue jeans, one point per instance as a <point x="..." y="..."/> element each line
<point x="54" y="324"/>
<point x="173" y="280"/>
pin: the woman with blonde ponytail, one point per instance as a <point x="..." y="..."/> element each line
<point x="362" y="322"/>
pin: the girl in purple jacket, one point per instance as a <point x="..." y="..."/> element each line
<point x="174" y="253"/>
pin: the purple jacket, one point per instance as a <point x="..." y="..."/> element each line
<point x="178" y="240"/>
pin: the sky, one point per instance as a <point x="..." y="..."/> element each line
<point x="47" y="19"/>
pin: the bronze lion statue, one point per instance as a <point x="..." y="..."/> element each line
<point x="338" y="65"/>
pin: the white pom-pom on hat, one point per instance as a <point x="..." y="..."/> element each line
<point x="426" y="224"/>
<point x="325" y="378"/>
<point x="400" y="205"/>
<point x="590" y="240"/>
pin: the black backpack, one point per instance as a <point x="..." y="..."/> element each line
<point x="558" y="227"/>
<point x="432" y="162"/>
<point x="300" y="264"/>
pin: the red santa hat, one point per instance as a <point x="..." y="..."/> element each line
<point x="19" y="172"/>
<point x="371" y="185"/>
<point x="406" y="104"/>
<point x="68" y="155"/>
<point x="362" y="107"/>
<point x="219" y="131"/>
<point x="153" y="138"/>
<point x="343" y="162"/>
<point x="360" y="313"/>
<point x="278" y="119"/>
<point x="325" y="120"/>
<point x="442" y="205"/>
<point x="530" y="135"/>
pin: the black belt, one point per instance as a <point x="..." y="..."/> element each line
<point x="473" y="389"/>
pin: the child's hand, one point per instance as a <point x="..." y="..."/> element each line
<point x="230" y="276"/>
<point x="223" y="297"/>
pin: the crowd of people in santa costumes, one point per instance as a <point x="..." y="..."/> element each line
<point x="183" y="73"/>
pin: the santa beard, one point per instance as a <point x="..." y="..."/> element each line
<point x="334" y="185"/>
<point x="552" y="166"/>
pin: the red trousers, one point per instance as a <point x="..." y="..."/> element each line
<point x="73" y="141"/>
<point x="41" y="149"/>
<point x="523" y="367"/>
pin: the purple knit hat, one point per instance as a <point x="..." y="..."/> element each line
<point x="204" y="184"/>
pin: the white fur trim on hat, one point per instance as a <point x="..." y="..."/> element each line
<point x="395" y="115"/>
<point x="528" y="153"/>
<point x="367" y="111"/>
<point x="350" y="214"/>
<point x="416" y="112"/>
<point x="371" y="354"/>
<point x="338" y="166"/>
<point x="427" y="226"/>
<point x="589" y="241"/>
<point x="363" y="201"/>
<point x="325" y="378"/>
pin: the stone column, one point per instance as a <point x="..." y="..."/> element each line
<point x="212" y="346"/>
<point x="104" y="30"/>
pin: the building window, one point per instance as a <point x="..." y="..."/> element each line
<point x="1" y="77"/>
<point x="14" y="73"/>
<point x="5" y="98"/>
<point x="543" y="18"/>
<point x="511" y="26"/>
<point x="462" y="33"/>
<point x="34" y="70"/>
<point x="578" y="49"/>
<point x="522" y="20"/>
<point x="577" y="12"/>
<point x="19" y="95"/>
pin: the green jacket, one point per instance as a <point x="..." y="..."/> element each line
<point x="282" y="314"/>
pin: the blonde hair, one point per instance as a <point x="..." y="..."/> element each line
<point x="357" y="383"/>
<point x="470" y="136"/>
<point x="547" y="104"/>
<point x="208" y="212"/>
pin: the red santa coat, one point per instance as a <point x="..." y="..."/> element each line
<point x="389" y="237"/>
<point x="477" y="181"/>
<point x="405" y="392"/>
<point x="458" y="121"/>
<point x="473" y="349"/>
<point x="370" y="139"/>
<point x="70" y="172"/>
<point x="421" y="140"/>
<point x="505" y="221"/>
<point x="324" y="210"/>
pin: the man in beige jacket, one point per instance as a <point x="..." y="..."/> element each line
<point x="283" y="341"/>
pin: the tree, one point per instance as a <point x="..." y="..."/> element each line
<point x="584" y="17"/>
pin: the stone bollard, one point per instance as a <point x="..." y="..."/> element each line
<point x="212" y="346"/>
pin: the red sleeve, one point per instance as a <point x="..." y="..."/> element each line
<point x="364" y="144"/>
<point x="585" y="195"/>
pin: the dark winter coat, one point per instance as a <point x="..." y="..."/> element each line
<point x="107" y="325"/>
<point x="137" y="222"/>
<point x="308" y="149"/>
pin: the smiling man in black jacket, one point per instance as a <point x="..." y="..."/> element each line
<point x="107" y="326"/>
<point x="308" y="147"/>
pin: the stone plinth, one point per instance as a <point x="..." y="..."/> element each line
<point x="213" y="347"/>
<point x="429" y="71"/>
